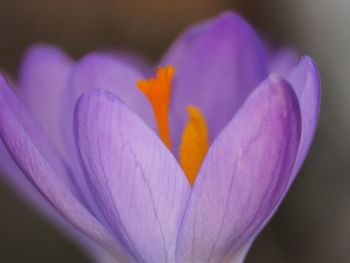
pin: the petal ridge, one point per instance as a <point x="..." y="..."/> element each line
<point x="132" y="174"/>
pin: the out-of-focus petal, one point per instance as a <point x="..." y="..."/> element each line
<point x="221" y="59"/>
<point x="243" y="176"/>
<point x="42" y="82"/>
<point x="13" y="176"/>
<point x="102" y="71"/>
<point x="137" y="182"/>
<point x="34" y="165"/>
<point x="305" y="80"/>
<point x="38" y="136"/>
<point x="283" y="61"/>
<point x="132" y="58"/>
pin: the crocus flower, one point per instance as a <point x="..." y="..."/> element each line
<point x="183" y="162"/>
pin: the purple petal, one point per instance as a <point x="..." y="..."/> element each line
<point x="42" y="82"/>
<point x="132" y="58"/>
<point x="18" y="181"/>
<point x="283" y="61"/>
<point x="43" y="86"/>
<point x="135" y="179"/>
<point x="102" y="71"/>
<point x="38" y="136"/>
<point x="305" y="80"/>
<point x="34" y="165"/>
<point x="243" y="176"/>
<point x="217" y="65"/>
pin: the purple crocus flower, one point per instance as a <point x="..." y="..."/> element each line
<point x="81" y="142"/>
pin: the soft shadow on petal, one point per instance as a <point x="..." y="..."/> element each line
<point x="43" y="79"/>
<point x="217" y="65"/>
<point x="243" y="176"/>
<point x="136" y="181"/>
<point x="305" y="80"/>
<point x="35" y="166"/>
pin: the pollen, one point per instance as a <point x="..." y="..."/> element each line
<point x="194" y="144"/>
<point x="158" y="91"/>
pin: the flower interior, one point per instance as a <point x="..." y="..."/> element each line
<point x="194" y="143"/>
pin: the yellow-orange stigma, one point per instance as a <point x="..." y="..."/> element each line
<point x="194" y="142"/>
<point x="158" y="90"/>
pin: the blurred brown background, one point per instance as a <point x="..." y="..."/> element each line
<point x="313" y="224"/>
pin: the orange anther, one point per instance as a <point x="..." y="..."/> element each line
<point x="158" y="91"/>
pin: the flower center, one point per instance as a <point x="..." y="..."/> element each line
<point x="194" y="142"/>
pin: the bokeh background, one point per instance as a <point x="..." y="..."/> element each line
<point x="313" y="223"/>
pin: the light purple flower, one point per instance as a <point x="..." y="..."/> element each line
<point x="85" y="148"/>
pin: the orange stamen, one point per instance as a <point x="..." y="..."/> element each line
<point x="194" y="144"/>
<point x="158" y="90"/>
